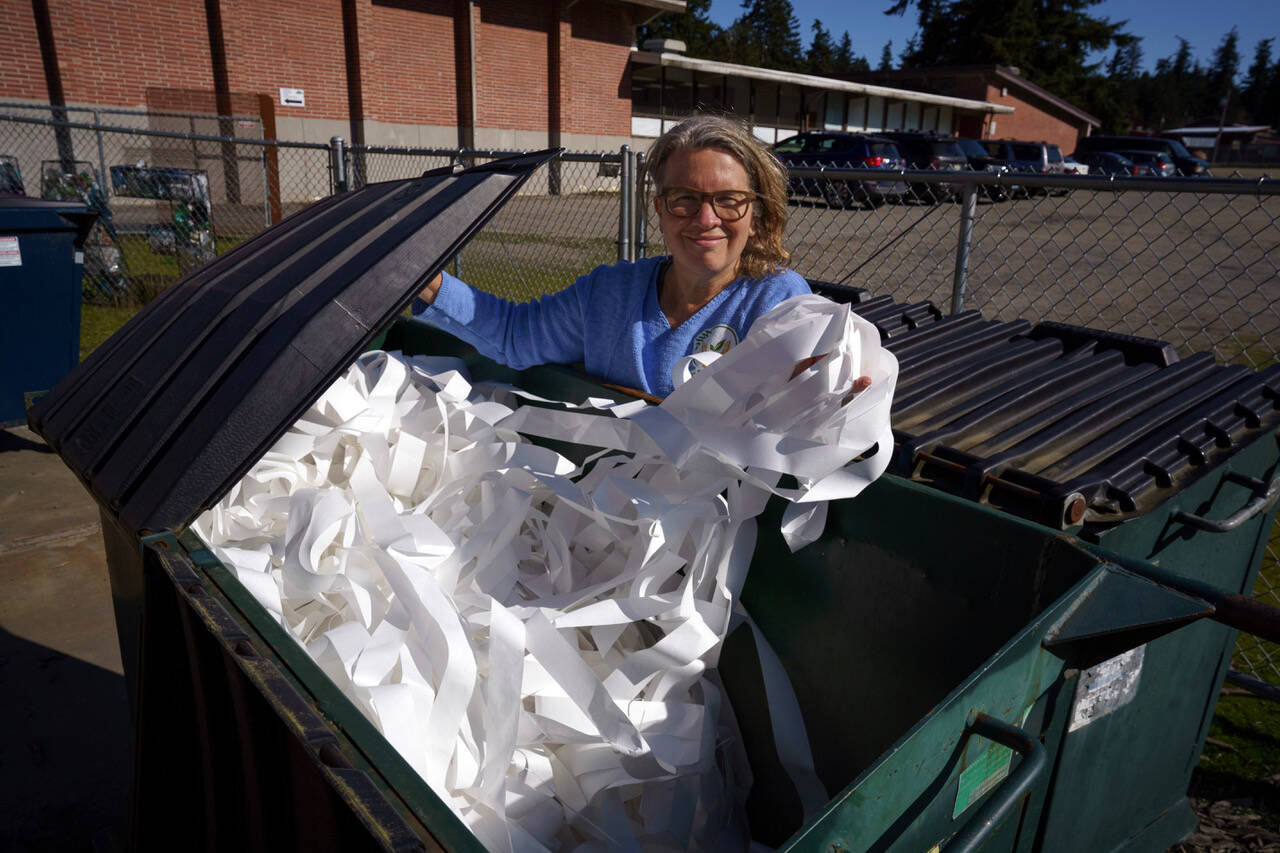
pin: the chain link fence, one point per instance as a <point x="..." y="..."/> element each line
<point x="1195" y="262"/>
<point x="562" y="224"/>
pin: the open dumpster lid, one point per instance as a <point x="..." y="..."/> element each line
<point x="166" y="416"/>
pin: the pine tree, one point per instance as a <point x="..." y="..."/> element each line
<point x="1222" y="76"/>
<point x="886" y="57"/>
<point x="703" y="38"/>
<point x="767" y="35"/>
<point x="1258" y="81"/>
<point x="821" y="58"/>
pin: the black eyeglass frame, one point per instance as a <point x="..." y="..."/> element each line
<point x="734" y="213"/>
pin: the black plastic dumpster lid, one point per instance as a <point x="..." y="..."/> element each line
<point x="22" y="214"/>
<point x="1057" y="423"/>
<point x="161" y="420"/>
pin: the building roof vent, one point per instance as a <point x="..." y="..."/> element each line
<point x="665" y="46"/>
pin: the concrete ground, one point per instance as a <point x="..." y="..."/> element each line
<point x="64" y="742"/>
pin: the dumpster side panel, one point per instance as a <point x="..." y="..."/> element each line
<point x="1152" y="744"/>
<point x="229" y="749"/>
<point x="908" y="593"/>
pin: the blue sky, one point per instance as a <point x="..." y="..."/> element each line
<point x="1158" y="23"/>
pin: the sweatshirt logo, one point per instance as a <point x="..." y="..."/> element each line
<point x="717" y="339"/>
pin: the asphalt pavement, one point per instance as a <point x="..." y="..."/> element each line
<point x="65" y="742"/>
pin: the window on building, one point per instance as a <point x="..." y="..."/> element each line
<point x="646" y="90"/>
<point x="738" y="99"/>
<point x="677" y="96"/>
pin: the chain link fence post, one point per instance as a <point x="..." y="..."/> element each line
<point x="625" y="204"/>
<point x="641" y="221"/>
<point x="968" y="207"/>
<point x="338" y="163"/>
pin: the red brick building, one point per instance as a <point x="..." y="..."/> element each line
<point x="1038" y="115"/>
<point x="483" y="73"/>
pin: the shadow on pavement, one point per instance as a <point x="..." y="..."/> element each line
<point x="64" y="751"/>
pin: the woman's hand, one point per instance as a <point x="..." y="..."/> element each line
<point x="428" y="293"/>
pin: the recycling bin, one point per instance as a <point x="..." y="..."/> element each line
<point x="936" y="636"/>
<point x="41" y="257"/>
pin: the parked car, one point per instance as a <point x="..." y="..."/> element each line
<point x="1108" y="163"/>
<point x="1186" y="163"/>
<point x="844" y="150"/>
<point x="1018" y="156"/>
<point x="1157" y="163"/>
<point x="980" y="161"/>
<point x="1072" y="166"/>
<point x="931" y="151"/>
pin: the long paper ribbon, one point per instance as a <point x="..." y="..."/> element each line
<point x="534" y="636"/>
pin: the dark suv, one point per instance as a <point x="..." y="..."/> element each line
<point x="1186" y="163"/>
<point x="843" y="150"/>
<point x="1013" y="155"/>
<point x="931" y="151"/>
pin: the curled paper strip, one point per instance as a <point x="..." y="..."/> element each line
<point x="684" y="369"/>
<point x="535" y="636"/>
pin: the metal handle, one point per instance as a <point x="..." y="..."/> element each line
<point x="1259" y="503"/>
<point x="1010" y="791"/>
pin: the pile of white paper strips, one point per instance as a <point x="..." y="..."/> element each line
<point x="534" y="636"/>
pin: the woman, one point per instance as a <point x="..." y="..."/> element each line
<point x="721" y="205"/>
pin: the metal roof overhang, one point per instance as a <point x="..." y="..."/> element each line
<point x="710" y="66"/>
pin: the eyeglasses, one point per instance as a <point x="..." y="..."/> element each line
<point x="729" y="205"/>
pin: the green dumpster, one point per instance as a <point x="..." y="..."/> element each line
<point x="934" y="642"/>
<point x="41" y="256"/>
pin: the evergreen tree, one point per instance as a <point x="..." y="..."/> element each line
<point x="702" y="37"/>
<point x="886" y="57"/>
<point x="846" y="59"/>
<point x="1222" y="76"/>
<point x="1047" y="40"/>
<point x="1258" y="82"/>
<point x="821" y="58"/>
<point x="768" y="35"/>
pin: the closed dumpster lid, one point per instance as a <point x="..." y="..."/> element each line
<point x="1057" y="423"/>
<point x="22" y="214"/>
<point x="166" y="416"/>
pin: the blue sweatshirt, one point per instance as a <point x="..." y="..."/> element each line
<point x="609" y="320"/>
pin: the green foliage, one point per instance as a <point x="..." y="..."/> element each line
<point x="768" y="35"/>
<point x="694" y="27"/>
<point x="821" y="58"/>
<point x="886" y="57"/>
<point x="1047" y="40"/>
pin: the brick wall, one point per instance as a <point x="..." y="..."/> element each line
<point x="597" y="73"/>
<point x="408" y="65"/>
<point x="511" y="65"/>
<point x="21" y="73"/>
<point x="137" y="54"/>
<point x="1029" y="121"/>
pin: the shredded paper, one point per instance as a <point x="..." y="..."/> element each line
<point x="537" y="637"/>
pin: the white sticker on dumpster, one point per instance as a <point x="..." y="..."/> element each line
<point x="10" y="254"/>
<point x="1103" y="688"/>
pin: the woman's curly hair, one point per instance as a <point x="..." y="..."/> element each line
<point x="763" y="253"/>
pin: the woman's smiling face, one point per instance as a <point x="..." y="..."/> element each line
<point x="705" y="249"/>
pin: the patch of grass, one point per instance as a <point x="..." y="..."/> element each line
<point x="1241" y="760"/>
<point x="99" y="322"/>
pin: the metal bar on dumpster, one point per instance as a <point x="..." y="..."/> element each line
<point x="1231" y="609"/>
<point x="968" y="206"/>
<point x="1011" y="790"/>
<point x="1266" y="494"/>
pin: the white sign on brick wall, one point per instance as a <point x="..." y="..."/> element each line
<point x="292" y="97"/>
